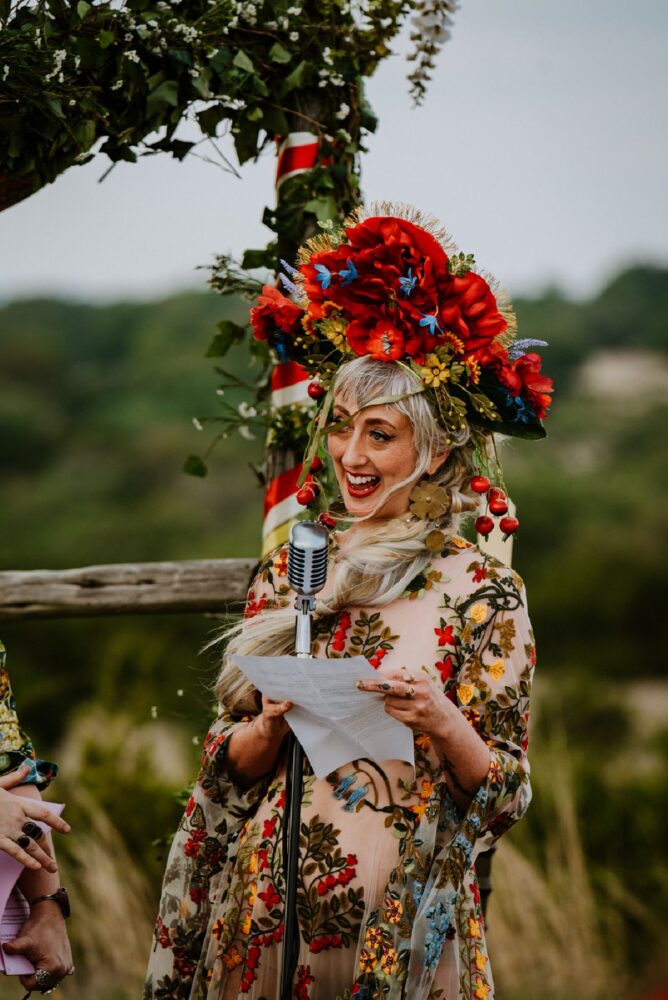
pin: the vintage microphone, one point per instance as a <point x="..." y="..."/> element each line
<point x="307" y="572"/>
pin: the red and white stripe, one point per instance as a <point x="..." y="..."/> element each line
<point x="297" y="152"/>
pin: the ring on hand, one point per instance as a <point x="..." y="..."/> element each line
<point x="32" y="830"/>
<point x="23" y="841"/>
<point x="44" y="979"/>
<point x="410" y="692"/>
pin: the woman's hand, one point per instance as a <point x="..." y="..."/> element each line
<point x="252" y="751"/>
<point x="414" y="699"/>
<point x="271" y="722"/>
<point x="421" y="704"/>
<point x="43" y="940"/>
<point x="15" y="812"/>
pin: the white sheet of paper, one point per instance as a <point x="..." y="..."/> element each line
<point x="334" y="722"/>
<point x="14" y="907"/>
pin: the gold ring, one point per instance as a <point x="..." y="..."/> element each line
<point x="410" y="693"/>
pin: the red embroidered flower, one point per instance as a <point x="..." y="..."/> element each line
<point x="270" y="897"/>
<point x="269" y="828"/>
<point x="446" y="635"/>
<point x="191" y="848"/>
<point x="445" y="668"/>
<point x="198" y="894"/>
<point x="274" y="312"/>
<point x="479" y="574"/>
<point x="190" y="806"/>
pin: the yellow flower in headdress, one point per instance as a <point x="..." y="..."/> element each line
<point x="429" y="501"/>
<point x="434" y="372"/>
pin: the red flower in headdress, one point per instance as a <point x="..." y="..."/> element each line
<point x="523" y="377"/>
<point x="470" y="311"/>
<point x="274" y="312"/>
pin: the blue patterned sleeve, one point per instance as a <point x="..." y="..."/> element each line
<point x="16" y="748"/>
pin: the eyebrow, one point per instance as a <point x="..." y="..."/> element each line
<point x="370" y="421"/>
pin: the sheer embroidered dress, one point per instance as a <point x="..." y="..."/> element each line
<point x="388" y="899"/>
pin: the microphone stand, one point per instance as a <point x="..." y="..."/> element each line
<point x="292" y="813"/>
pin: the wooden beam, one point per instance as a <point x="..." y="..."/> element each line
<point x="199" y="585"/>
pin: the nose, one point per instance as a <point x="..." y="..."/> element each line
<point x="354" y="454"/>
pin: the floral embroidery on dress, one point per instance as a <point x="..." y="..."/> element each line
<point x="16" y="747"/>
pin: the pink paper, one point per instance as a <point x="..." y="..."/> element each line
<point x="14" y="907"/>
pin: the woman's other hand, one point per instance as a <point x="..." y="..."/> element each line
<point x="43" y="940"/>
<point x="413" y="698"/>
<point x="15" y="812"/>
<point x="421" y="704"/>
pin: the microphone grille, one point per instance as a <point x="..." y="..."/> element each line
<point x="307" y="557"/>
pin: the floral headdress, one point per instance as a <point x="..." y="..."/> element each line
<point x="390" y="284"/>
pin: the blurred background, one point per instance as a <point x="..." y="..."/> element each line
<point x="540" y="148"/>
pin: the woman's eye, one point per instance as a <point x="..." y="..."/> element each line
<point x="379" y="436"/>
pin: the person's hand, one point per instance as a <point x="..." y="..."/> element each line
<point x="43" y="940"/>
<point x="413" y="698"/>
<point x="271" y="722"/>
<point x="15" y="812"/>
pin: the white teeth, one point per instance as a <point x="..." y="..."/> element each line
<point x="361" y="480"/>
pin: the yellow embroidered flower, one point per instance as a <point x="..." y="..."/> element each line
<point x="394" y="909"/>
<point x="423" y="741"/>
<point x="429" y="501"/>
<point x="232" y="958"/>
<point x="460" y="543"/>
<point x="482" y="990"/>
<point x="481" y="959"/>
<point x="474" y="927"/>
<point x="245" y="924"/>
<point x="495" y="772"/>
<point x="497" y="669"/>
<point x="465" y="692"/>
<point x="388" y="961"/>
<point x="251" y="894"/>
<point x="478" y="613"/>
<point x="367" y="960"/>
<point x="217" y="929"/>
<point x="373" y="937"/>
<point x="252" y="863"/>
<point x="435" y="372"/>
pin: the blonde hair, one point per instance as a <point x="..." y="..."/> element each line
<point x="375" y="562"/>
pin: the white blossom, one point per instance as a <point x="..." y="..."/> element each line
<point x="246" y="432"/>
<point x="294" y="36"/>
<point x="343" y="112"/>
<point x="294" y="11"/>
<point x="154" y="711"/>
<point x="132" y="56"/>
<point x="197" y="424"/>
<point x="246" y="411"/>
<point x="5" y="72"/>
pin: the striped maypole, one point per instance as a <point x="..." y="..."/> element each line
<point x="297" y="152"/>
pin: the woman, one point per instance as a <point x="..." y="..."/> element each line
<point x="43" y="937"/>
<point x="388" y="902"/>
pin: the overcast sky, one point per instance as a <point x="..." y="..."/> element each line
<point x="542" y="147"/>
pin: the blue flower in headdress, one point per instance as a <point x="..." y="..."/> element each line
<point x="287" y="284"/>
<point x="324" y="276"/>
<point x="407" y="283"/>
<point x="278" y="342"/>
<point x="523" y="413"/>
<point x="349" y="273"/>
<point x="431" y="322"/>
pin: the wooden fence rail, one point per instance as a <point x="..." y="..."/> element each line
<point x="199" y="585"/>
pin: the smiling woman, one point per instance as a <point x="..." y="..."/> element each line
<point x="388" y="901"/>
